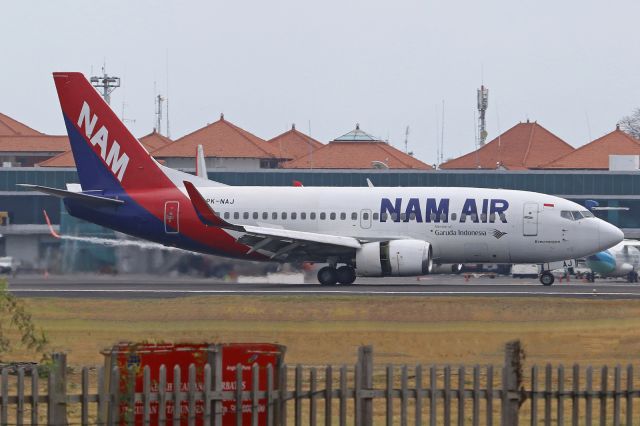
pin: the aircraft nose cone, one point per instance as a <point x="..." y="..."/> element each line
<point x="609" y="235"/>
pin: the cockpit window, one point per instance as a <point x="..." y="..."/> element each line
<point x="575" y="215"/>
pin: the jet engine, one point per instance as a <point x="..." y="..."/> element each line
<point x="622" y="269"/>
<point x="394" y="258"/>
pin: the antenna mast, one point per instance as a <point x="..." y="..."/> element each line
<point x="105" y="84"/>
<point x="406" y="140"/>
<point x="159" y="100"/>
<point x="483" y="104"/>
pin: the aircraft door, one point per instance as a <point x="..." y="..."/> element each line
<point x="530" y="219"/>
<point x="172" y="217"/>
<point x="365" y="219"/>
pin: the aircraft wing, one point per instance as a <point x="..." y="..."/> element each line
<point x="274" y="241"/>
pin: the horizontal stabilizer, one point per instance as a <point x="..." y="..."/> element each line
<point x="87" y="198"/>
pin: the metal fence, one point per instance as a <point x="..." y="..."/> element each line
<point x="361" y="394"/>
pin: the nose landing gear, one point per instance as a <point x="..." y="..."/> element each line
<point x="547" y="278"/>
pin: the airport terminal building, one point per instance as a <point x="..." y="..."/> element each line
<point x="528" y="157"/>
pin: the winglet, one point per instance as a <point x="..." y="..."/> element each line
<point x="205" y="212"/>
<point x="46" y="217"/>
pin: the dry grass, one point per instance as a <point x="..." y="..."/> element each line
<point x="320" y="330"/>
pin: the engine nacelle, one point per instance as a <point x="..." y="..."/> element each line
<point x="394" y="258"/>
<point x="622" y="269"/>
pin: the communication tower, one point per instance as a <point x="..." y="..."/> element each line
<point x="105" y="84"/>
<point x="483" y="104"/>
<point x="159" y="100"/>
<point x="406" y="140"/>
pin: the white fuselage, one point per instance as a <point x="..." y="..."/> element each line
<point x="461" y="224"/>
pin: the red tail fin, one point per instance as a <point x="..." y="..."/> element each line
<point x="108" y="157"/>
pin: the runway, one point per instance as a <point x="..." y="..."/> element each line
<point x="128" y="287"/>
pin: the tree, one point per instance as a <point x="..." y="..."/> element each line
<point x="630" y="124"/>
<point x="13" y="312"/>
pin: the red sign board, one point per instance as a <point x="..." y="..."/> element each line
<point x="139" y="356"/>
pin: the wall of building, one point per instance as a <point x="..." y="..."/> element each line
<point x="235" y="164"/>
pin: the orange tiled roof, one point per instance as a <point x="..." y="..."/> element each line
<point x="524" y="146"/>
<point x="219" y="139"/>
<point x="356" y="150"/>
<point x="18" y="137"/>
<point x="152" y="141"/>
<point x="294" y="144"/>
<point x="595" y="155"/>
<point x="40" y="143"/>
<point x="11" y="127"/>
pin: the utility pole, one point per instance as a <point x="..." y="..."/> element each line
<point x="105" y="84"/>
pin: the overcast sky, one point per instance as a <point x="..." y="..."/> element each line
<point x="574" y="66"/>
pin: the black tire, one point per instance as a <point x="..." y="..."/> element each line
<point x="346" y="275"/>
<point x="547" y="278"/>
<point x="328" y="276"/>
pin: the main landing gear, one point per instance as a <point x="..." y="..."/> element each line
<point x="329" y="275"/>
<point x="547" y="278"/>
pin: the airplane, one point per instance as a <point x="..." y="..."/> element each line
<point x="621" y="260"/>
<point x="368" y="231"/>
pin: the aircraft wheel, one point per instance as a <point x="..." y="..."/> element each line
<point x="630" y="277"/>
<point x="547" y="278"/>
<point x="328" y="276"/>
<point x="346" y="274"/>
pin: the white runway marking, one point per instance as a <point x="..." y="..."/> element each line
<point x="338" y="292"/>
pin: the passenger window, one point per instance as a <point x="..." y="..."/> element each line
<point x="403" y="217"/>
<point x="226" y="215"/>
<point x="332" y="216"/>
<point x="492" y="217"/>
<point x="365" y="216"/>
<point x="443" y="217"/>
<point x="376" y="216"/>
<point x="245" y="215"/>
<point x="294" y="216"/>
<point x="433" y="217"/>
<point x="394" y="216"/>
<point x="343" y="216"/>
<point x="265" y="215"/>
<point x="463" y="218"/>
<point x="453" y="216"/>
<point x="384" y="217"/>
<point x="284" y="215"/>
<point x="483" y="217"/>
<point x="312" y="216"/>
<point x="323" y="216"/>
<point x="566" y="214"/>
<point x="255" y="215"/>
<point x="303" y="216"/>
<point x="354" y="216"/>
<point x="503" y="218"/>
<point x="474" y="217"/>
<point x="412" y="216"/>
<point x="236" y="215"/>
<point x="274" y="216"/>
